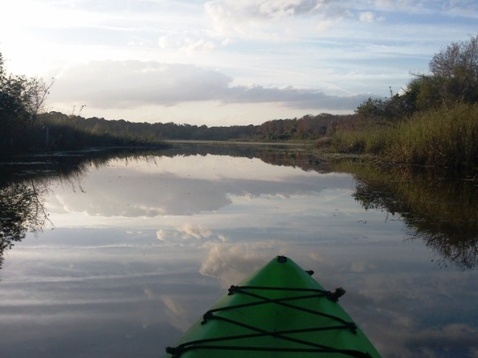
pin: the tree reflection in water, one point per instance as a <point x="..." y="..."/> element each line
<point x="21" y="210"/>
<point x="441" y="212"/>
<point x="24" y="185"/>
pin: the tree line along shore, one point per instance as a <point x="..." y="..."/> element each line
<point x="431" y="122"/>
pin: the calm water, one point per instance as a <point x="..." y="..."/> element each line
<point x="134" y="250"/>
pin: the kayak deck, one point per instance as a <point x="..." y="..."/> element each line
<point x="279" y="311"/>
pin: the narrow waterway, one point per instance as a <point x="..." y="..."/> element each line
<point x="117" y="256"/>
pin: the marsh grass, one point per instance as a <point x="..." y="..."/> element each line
<point x="445" y="138"/>
<point x="442" y="138"/>
<point x="372" y="138"/>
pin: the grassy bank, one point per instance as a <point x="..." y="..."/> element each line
<point x="445" y="139"/>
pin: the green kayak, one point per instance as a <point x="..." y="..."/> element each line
<point x="279" y="311"/>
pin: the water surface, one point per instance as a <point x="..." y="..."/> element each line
<point x="134" y="249"/>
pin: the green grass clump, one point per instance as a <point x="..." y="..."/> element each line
<point x="446" y="138"/>
<point x="370" y="139"/>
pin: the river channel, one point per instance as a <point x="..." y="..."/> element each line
<point x="116" y="255"/>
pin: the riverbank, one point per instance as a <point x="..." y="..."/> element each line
<point x="444" y="140"/>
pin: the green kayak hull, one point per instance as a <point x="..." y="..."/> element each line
<point x="279" y="311"/>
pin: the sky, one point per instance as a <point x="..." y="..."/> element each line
<point x="225" y="62"/>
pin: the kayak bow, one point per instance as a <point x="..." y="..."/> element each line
<point x="279" y="311"/>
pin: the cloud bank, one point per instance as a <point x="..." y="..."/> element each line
<point x="121" y="84"/>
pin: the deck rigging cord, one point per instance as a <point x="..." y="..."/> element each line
<point x="305" y="346"/>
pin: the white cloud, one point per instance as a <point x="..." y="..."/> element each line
<point x="198" y="232"/>
<point x="230" y="263"/>
<point x="121" y="84"/>
<point x="172" y="305"/>
<point x="263" y="9"/>
<point x="106" y="84"/>
<point x="186" y="43"/>
<point x="161" y="235"/>
<point x="367" y="16"/>
<point x="247" y="10"/>
<point x="272" y="20"/>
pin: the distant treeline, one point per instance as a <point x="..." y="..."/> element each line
<point x="44" y="135"/>
<point x="307" y="127"/>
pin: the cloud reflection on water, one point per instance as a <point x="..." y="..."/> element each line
<point x="147" y="246"/>
<point x="153" y="189"/>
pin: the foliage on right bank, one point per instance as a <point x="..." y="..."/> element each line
<point x="433" y="122"/>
